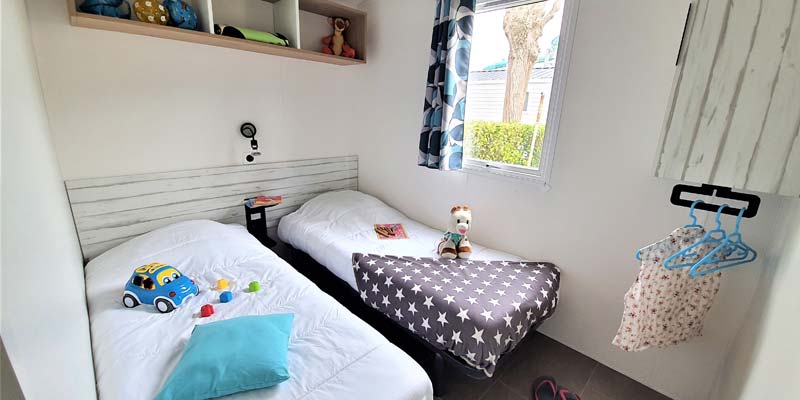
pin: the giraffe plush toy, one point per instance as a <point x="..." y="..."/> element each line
<point x="455" y="244"/>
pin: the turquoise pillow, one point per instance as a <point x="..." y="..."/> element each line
<point x="232" y="356"/>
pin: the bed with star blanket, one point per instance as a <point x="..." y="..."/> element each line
<point x="476" y="310"/>
<point x="328" y="230"/>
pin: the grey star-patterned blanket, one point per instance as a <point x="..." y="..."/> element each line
<point x="477" y="310"/>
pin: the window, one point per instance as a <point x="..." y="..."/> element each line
<point x="143" y="282"/>
<point x="518" y="62"/>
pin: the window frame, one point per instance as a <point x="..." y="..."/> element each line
<point x="542" y="175"/>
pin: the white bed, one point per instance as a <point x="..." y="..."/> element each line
<point x="332" y="353"/>
<point x="333" y="226"/>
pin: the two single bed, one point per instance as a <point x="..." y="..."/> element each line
<point x="332" y="353"/>
<point x="128" y="221"/>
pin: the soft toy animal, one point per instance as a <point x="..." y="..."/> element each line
<point x="455" y="244"/>
<point x="108" y="8"/>
<point x="335" y="44"/>
<point x="151" y="11"/>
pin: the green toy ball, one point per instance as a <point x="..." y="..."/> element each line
<point x="254" y="286"/>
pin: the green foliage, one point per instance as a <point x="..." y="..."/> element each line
<point x="505" y="142"/>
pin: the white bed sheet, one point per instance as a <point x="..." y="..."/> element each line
<point x="333" y="226"/>
<point x="332" y="353"/>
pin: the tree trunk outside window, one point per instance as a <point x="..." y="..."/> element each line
<point x="523" y="27"/>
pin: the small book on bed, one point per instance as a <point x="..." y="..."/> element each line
<point x="390" y="231"/>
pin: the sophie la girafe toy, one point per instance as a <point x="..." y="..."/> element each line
<point x="335" y="44"/>
<point x="455" y="244"/>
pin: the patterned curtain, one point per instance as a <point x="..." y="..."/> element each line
<point x="441" y="143"/>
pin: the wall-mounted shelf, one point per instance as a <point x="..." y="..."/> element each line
<point x="295" y="13"/>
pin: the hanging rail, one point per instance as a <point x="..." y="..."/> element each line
<point x="722" y="192"/>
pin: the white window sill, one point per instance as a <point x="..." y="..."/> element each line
<point x="509" y="176"/>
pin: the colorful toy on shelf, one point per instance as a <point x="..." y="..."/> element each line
<point x="181" y="14"/>
<point x="225" y="297"/>
<point x="254" y="286"/>
<point x="160" y="285"/>
<point x="206" y="311"/>
<point x="335" y="44"/>
<point x="454" y="243"/>
<point x="151" y="11"/>
<point x="222" y="284"/>
<point x="107" y="8"/>
<point x="250" y="34"/>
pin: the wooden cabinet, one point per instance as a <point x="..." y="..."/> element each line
<point x="734" y="114"/>
<point x="303" y="22"/>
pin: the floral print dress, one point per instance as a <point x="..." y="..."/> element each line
<point x="665" y="307"/>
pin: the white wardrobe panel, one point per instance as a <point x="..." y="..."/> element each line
<point x="733" y="119"/>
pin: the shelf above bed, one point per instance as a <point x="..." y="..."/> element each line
<point x="322" y="7"/>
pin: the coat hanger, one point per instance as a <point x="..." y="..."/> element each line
<point x="733" y="245"/>
<point x="715" y="236"/>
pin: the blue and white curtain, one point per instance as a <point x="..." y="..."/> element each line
<point x="441" y="143"/>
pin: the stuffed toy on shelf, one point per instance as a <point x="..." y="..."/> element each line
<point x="107" y="8"/>
<point x="335" y="44"/>
<point x="151" y="11"/>
<point x="181" y="14"/>
<point x="455" y="244"/>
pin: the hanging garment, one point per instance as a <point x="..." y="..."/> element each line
<point x="666" y="307"/>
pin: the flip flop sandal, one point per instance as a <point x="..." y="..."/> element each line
<point x="566" y="394"/>
<point x="544" y="388"/>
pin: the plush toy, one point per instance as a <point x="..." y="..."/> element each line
<point x="455" y="244"/>
<point x="151" y="11"/>
<point x="107" y="8"/>
<point x="181" y="14"/>
<point x="335" y="44"/>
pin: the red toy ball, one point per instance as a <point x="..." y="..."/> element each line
<point x="206" y="310"/>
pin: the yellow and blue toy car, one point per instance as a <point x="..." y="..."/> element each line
<point x="160" y="285"/>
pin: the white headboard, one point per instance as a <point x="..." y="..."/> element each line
<point x="109" y="211"/>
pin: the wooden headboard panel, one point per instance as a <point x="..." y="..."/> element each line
<point x="109" y="211"/>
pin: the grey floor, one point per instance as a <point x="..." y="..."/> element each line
<point x="541" y="355"/>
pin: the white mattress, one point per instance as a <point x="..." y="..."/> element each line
<point x="333" y="226"/>
<point x="332" y="353"/>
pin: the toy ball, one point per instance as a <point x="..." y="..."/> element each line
<point x="225" y="297"/>
<point x="160" y="285"/>
<point x="181" y="14"/>
<point x="206" y="310"/>
<point x="222" y="284"/>
<point x="151" y="11"/>
<point x="107" y="8"/>
<point x="254" y="286"/>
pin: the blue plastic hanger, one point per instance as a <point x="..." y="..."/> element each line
<point x="715" y="236"/>
<point x="721" y="255"/>
<point x="692" y="225"/>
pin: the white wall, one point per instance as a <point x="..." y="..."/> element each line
<point x="765" y="359"/>
<point x="44" y="325"/>
<point x="604" y="203"/>
<point x="141" y="99"/>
